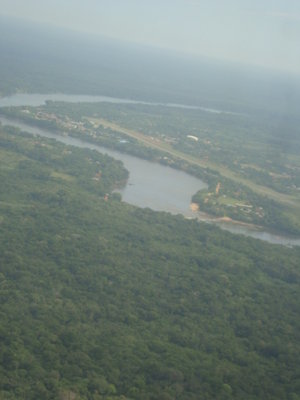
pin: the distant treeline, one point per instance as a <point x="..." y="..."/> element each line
<point x="37" y="58"/>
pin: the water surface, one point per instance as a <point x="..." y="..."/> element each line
<point x="35" y="100"/>
<point x="150" y="184"/>
<point x="156" y="186"/>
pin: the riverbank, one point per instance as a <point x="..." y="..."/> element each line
<point x="194" y="207"/>
<point x="23" y="99"/>
<point x="261" y="210"/>
<point x="204" y="217"/>
<point x="158" y="187"/>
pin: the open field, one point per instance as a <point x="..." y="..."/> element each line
<point x="247" y="199"/>
<point x="162" y="145"/>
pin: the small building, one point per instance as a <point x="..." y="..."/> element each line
<point x="193" y="138"/>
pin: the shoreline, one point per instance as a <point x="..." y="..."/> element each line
<point x="227" y="220"/>
<point x="257" y="231"/>
<point x="194" y="207"/>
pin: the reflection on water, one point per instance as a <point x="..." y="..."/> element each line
<point x="23" y="99"/>
<point x="156" y="186"/>
<point x="150" y="184"/>
<point x="259" y="234"/>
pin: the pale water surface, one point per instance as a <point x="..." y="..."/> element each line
<point x="24" y="99"/>
<point x="156" y="186"/>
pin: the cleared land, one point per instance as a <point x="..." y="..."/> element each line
<point x="161" y="145"/>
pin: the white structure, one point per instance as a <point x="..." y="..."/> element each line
<point x="193" y="138"/>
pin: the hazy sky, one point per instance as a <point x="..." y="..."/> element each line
<point x="262" y="32"/>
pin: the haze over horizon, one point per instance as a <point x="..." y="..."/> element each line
<point x="265" y="34"/>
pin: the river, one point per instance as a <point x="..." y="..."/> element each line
<point x="24" y="99"/>
<point x="156" y="186"/>
<point x="150" y="184"/>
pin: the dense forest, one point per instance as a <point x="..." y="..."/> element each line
<point x="103" y="300"/>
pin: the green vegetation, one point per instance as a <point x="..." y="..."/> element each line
<point x="246" y="206"/>
<point x="160" y="134"/>
<point x="257" y="147"/>
<point x="102" y="300"/>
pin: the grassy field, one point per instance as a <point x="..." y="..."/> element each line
<point x="163" y="146"/>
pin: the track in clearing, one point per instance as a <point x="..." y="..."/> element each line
<point x="161" y="145"/>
